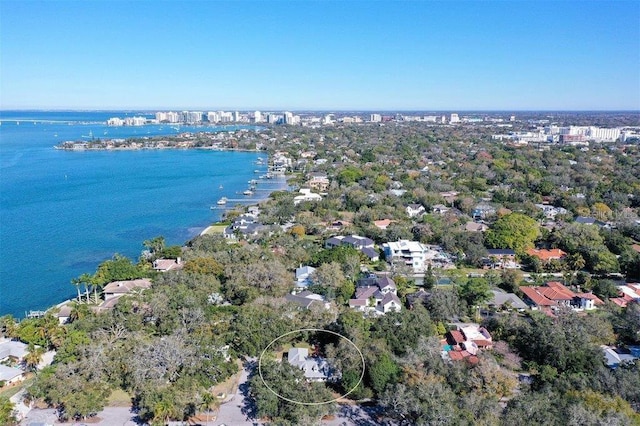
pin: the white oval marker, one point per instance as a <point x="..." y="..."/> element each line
<point x="313" y="330"/>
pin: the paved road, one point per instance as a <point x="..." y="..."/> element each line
<point x="238" y="409"/>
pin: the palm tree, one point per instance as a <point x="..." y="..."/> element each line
<point x="163" y="410"/>
<point x="76" y="282"/>
<point x="33" y="357"/>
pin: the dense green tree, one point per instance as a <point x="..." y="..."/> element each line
<point x="475" y="291"/>
<point x="514" y="231"/>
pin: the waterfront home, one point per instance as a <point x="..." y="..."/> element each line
<point x="164" y="265"/>
<point x="118" y="288"/>
<point x="12" y="350"/>
<point x="319" y="183"/>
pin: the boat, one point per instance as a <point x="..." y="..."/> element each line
<point x="222" y="201"/>
<point x="256" y="171"/>
<point x="248" y="192"/>
<point x="220" y="187"/>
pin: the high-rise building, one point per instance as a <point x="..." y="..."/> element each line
<point x="454" y="119"/>
<point x="257" y="117"/>
<point x="376" y="118"/>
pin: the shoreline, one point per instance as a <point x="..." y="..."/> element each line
<point x="35" y="313"/>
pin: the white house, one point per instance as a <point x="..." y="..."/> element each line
<point x="414" y="210"/>
<point x="306" y="195"/>
<point x="10" y="375"/>
<point x="303" y="276"/>
<point x="416" y="255"/>
<point x="314" y="369"/>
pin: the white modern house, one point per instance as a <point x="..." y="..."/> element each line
<point x="416" y="255"/>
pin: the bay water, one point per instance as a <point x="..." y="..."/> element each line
<point x="64" y="212"/>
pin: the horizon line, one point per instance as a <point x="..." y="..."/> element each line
<point x="162" y="109"/>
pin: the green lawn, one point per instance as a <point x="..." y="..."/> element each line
<point x="9" y="392"/>
<point x="215" y="229"/>
<point x="119" y="398"/>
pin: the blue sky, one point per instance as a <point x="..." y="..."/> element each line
<point x="367" y="55"/>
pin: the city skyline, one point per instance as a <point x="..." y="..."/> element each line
<point x="320" y="56"/>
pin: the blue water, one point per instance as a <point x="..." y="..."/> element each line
<point x="63" y="212"/>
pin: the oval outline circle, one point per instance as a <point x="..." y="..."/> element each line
<point x="314" y="330"/>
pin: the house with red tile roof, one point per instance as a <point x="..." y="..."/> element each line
<point x="555" y="295"/>
<point x="627" y="293"/>
<point x="546" y="255"/>
<point x="466" y="341"/>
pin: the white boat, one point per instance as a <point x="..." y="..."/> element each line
<point x="248" y="192"/>
<point x="222" y="201"/>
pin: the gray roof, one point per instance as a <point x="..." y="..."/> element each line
<point x="501" y="252"/>
<point x="370" y="253"/>
<point x="12" y="348"/>
<point x="9" y="373"/>
<point x="500" y="298"/>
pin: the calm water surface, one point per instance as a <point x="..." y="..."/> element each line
<point x="62" y="213"/>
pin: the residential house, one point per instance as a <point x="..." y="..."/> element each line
<point x="363" y="244"/>
<point x="315" y="369"/>
<point x="116" y="289"/>
<point x="465" y="342"/>
<point x="627" y="293"/>
<point x="319" y="183"/>
<point x="502" y="299"/>
<point x="415" y="210"/>
<point x="10" y="375"/>
<point x="164" y="265"/>
<point x="483" y="211"/>
<point x="338" y="225"/>
<point x="305" y="299"/>
<point x="475" y="227"/>
<point x="614" y="356"/>
<point x="303" y="276"/>
<point x="500" y="258"/>
<point x="12" y="350"/>
<point x="382" y="223"/>
<point x="546" y="255"/>
<point x="440" y="209"/>
<point x="554" y="295"/>
<point x="416" y="255"/>
<point x="376" y="295"/>
<point x="550" y="212"/>
<point x="306" y="195"/>
<point x="449" y="196"/>
<point x="585" y="220"/>
<point x="246" y="225"/>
